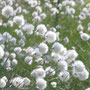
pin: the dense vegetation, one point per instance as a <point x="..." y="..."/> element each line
<point x="58" y="16"/>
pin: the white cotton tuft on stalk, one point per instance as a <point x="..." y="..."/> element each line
<point x="64" y="76"/>
<point x="85" y="36"/>
<point x="54" y="84"/>
<point x="26" y="81"/>
<point x="19" y="20"/>
<point x="50" y="37"/>
<point x="62" y="65"/>
<point x="14" y="62"/>
<point x="17" y="82"/>
<point x="41" y="29"/>
<point x="55" y="57"/>
<point x="2" y="83"/>
<point x="28" y="60"/>
<point x="28" y="28"/>
<point x="78" y="66"/>
<point x="7" y="11"/>
<point x="83" y="75"/>
<point x="41" y="83"/>
<point x="1" y="52"/>
<point x="43" y="48"/>
<point x="71" y="54"/>
<point x="57" y="47"/>
<point x="38" y="73"/>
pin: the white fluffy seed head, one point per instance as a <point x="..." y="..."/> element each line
<point x="83" y="75"/>
<point x="13" y="55"/>
<point x="41" y="30"/>
<point x="71" y="54"/>
<point x="85" y="36"/>
<point x="28" y="60"/>
<point x="62" y="65"/>
<point x="55" y="57"/>
<point x="78" y="66"/>
<point x="2" y="83"/>
<point x="87" y="88"/>
<point x="64" y="76"/>
<point x="1" y="52"/>
<point x="14" y="62"/>
<point x="28" y="28"/>
<point x="53" y="84"/>
<point x="80" y="28"/>
<point x="66" y="40"/>
<point x="19" y="20"/>
<point x="7" y="11"/>
<point x="57" y="47"/>
<point x="5" y="78"/>
<point x="41" y="83"/>
<point x="43" y="48"/>
<point x="39" y="9"/>
<point x="17" y="82"/>
<point x="26" y="81"/>
<point x="17" y="50"/>
<point x="38" y="73"/>
<point x="50" y="37"/>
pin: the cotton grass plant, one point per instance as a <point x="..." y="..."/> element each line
<point x="44" y="44"/>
